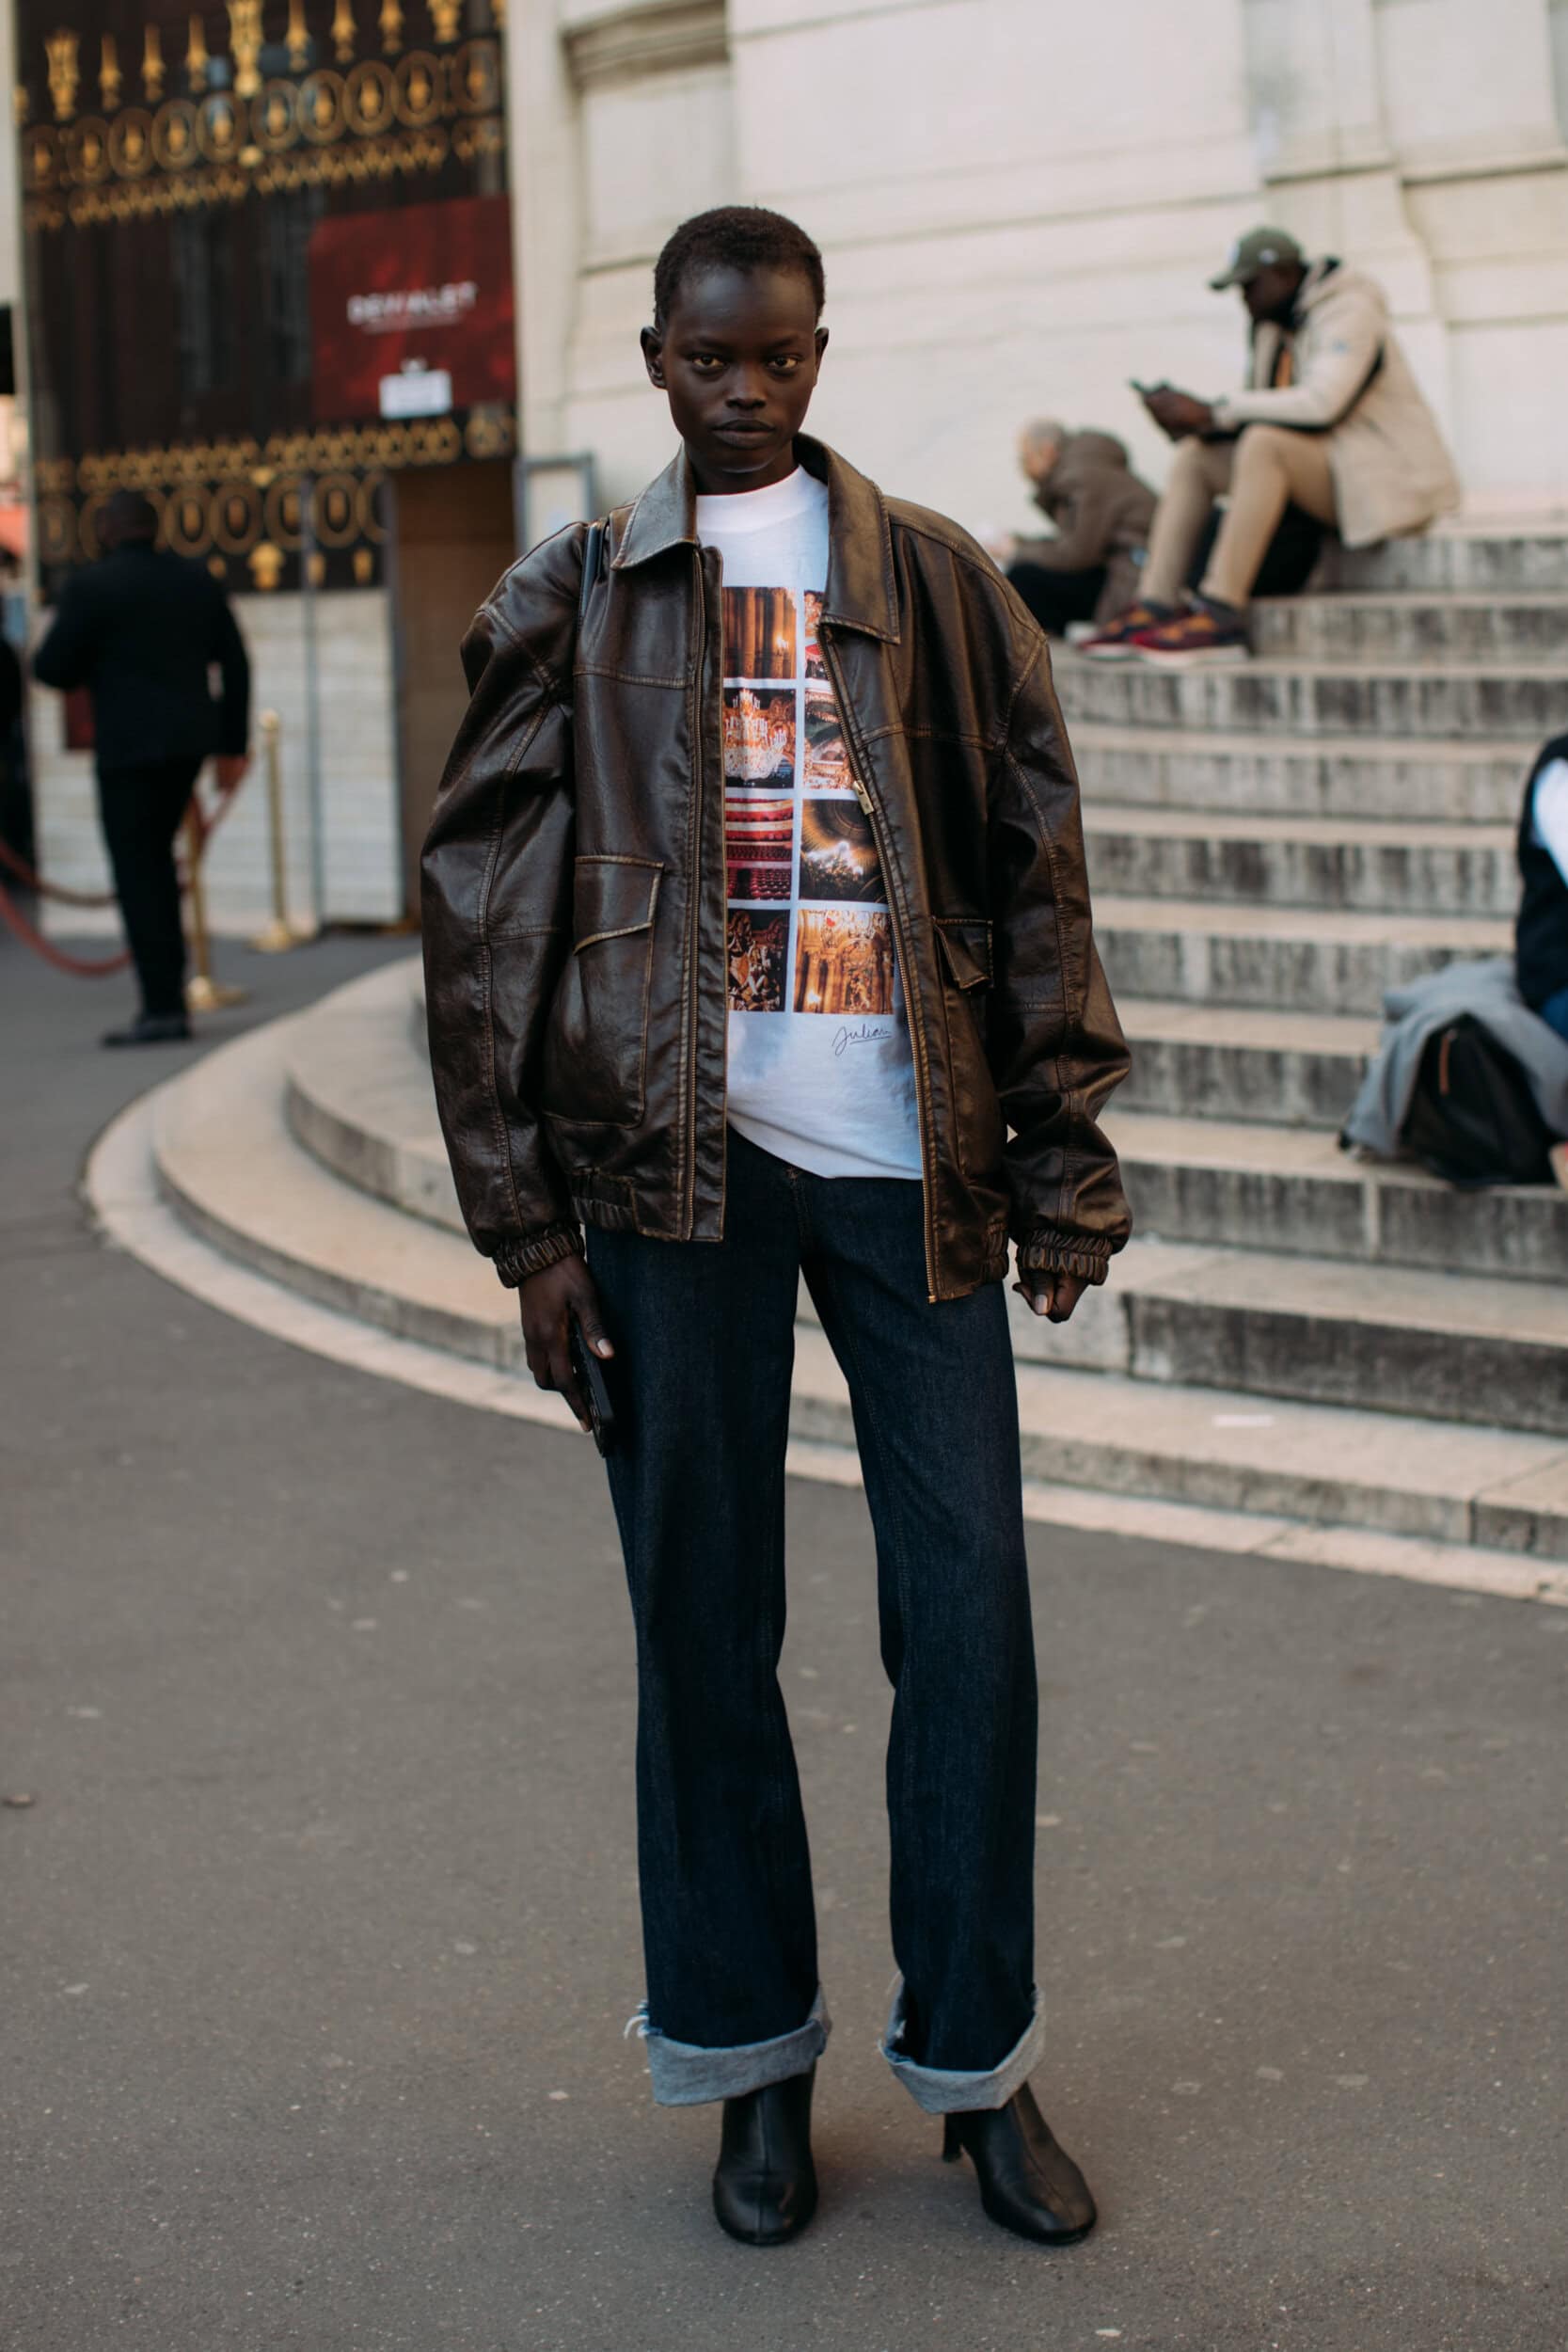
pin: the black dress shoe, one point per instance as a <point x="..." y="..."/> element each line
<point x="1028" y="2183"/>
<point x="765" y="2186"/>
<point x="152" y="1028"/>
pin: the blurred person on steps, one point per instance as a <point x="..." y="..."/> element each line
<point x="1100" y="513"/>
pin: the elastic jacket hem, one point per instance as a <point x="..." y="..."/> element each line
<point x="515" y="1260"/>
<point x="1046" y="1252"/>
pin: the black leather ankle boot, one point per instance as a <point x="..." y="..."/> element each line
<point x="764" y="2186"/>
<point x="1028" y="2183"/>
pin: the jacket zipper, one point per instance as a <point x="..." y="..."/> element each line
<point x="917" y="1030"/>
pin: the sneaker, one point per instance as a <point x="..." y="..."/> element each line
<point x="1114" y="642"/>
<point x="1209" y="634"/>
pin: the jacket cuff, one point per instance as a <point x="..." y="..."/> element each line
<point x="1049" y="1251"/>
<point x="530" y="1254"/>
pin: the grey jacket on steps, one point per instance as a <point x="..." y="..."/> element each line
<point x="1412" y="1014"/>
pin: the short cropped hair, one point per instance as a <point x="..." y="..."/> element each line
<point x="734" y="236"/>
<point x="127" y="514"/>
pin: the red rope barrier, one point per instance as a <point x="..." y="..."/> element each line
<point x="82" y="966"/>
<point x="20" y="871"/>
<point x="12" y="916"/>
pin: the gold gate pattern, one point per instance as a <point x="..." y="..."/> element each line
<point x="403" y="112"/>
<point x="262" y="515"/>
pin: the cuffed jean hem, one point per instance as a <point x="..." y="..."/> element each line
<point x="687" y="2075"/>
<point x="945" y="2090"/>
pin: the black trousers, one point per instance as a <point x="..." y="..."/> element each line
<point x="141" y="809"/>
<point x="1056" y="598"/>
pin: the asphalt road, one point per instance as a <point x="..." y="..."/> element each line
<point x="320" y="1933"/>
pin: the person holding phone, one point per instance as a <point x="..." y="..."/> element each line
<point x="1330" y="432"/>
<point x="758" y="944"/>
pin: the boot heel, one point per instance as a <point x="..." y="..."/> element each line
<point x="951" y="2143"/>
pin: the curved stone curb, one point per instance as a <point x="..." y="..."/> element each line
<point x="121" y="1189"/>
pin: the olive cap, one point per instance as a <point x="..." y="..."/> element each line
<point x="1255" y="252"/>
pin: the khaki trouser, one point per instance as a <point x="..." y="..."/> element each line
<point x="1263" y="471"/>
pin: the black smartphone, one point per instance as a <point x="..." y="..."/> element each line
<point x="593" y="1387"/>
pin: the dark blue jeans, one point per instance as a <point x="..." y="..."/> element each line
<point x="704" y="1340"/>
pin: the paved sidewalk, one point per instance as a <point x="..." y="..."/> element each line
<point x="321" y="1932"/>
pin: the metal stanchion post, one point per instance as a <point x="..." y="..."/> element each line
<point x="202" y="992"/>
<point x="279" y="934"/>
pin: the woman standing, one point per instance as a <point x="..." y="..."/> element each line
<point x="899" y="1067"/>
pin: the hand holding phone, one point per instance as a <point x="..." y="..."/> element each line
<point x="593" y="1387"/>
<point x="565" y="1338"/>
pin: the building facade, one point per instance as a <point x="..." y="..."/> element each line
<point x="1020" y="203"/>
<point x="269" y="283"/>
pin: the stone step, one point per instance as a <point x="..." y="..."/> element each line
<point x="1226" y="1450"/>
<point x="228" y="1160"/>
<point x="1287" y="958"/>
<point x="1207" y="1180"/>
<point x="1330" y="1331"/>
<point x="1295" y="1069"/>
<point x="357" y="1097"/>
<point x="1274" y="775"/>
<point x="356" y="1094"/>
<point x="1329" y="862"/>
<point x="1507" y="631"/>
<point x="1313" y="698"/>
<point x="1461" y="559"/>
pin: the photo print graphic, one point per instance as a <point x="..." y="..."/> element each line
<point x="759" y="845"/>
<point x="817" y="669"/>
<point x="838" y="856"/>
<point x="844" y="961"/>
<point x="796" y="842"/>
<point x="759" y="632"/>
<point x="827" y="761"/>
<point x="759" y="737"/>
<point x="758" y="948"/>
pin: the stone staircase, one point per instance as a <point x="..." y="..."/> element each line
<point x="1273" y="847"/>
<point x="1291" y="1332"/>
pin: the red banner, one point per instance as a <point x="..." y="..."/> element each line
<point x="411" y="310"/>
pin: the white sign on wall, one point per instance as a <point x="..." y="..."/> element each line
<point x="416" y="392"/>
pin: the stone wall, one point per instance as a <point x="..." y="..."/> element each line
<point x="1020" y="201"/>
<point x="354" y="784"/>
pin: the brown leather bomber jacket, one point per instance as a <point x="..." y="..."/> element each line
<point x="575" y="893"/>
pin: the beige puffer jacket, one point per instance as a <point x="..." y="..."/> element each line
<point x="1392" y="472"/>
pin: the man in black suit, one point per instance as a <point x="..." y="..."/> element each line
<point x="143" y="629"/>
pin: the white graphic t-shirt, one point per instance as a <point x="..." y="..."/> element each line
<point x="821" y="1069"/>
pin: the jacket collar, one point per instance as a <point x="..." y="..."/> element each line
<point x="859" y="542"/>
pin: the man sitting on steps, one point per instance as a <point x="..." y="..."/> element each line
<point x="1100" y="513"/>
<point x="1331" y="422"/>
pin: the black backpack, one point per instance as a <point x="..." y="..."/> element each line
<point x="1472" y="1117"/>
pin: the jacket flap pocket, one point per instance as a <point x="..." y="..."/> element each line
<point x="612" y="896"/>
<point x="966" y="948"/>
